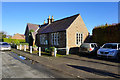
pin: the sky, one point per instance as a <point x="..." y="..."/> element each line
<point x="16" y="15"/>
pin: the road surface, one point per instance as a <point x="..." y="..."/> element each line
<point x="14" y="67"/>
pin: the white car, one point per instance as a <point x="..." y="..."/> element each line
<point x="4" y="46"/>
<point x="109" y="50"/>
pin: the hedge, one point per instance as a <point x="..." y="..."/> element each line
<point x="0" y="40"/>
<point x="106" y="34"/>
<point x="15" y="41"/>
<point x="23" y="44"/>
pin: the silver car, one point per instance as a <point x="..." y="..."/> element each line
<point x="90" y="48"/>
<point x="4" y="46"/>
<point x="109" y="50"/>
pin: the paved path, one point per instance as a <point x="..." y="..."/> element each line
<point x="82" y="67"/>
<point x="14" y="67"/>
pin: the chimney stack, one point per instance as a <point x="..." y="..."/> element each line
<point x="52" y="20"/>
<point x="44" y="22"/>
<point x="49" y="20"/>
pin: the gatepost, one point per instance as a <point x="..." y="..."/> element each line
<point x="20" y="46"/>
<point x="17" y="46"/>
<point x="39" y="51"/>
<point x="55" y="51"/>
<point x="30" y="49"/>
<point x="67" y="51"/>
<point x="24" y="47"/>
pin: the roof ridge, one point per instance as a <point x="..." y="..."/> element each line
<point x="33" y="24"/>
<point x="66" y="18"/>
<point x="58" y="25"/>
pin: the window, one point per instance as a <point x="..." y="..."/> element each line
<point x="95" y="45"/>
<point x="110" y="46"/>
<point x="5" y="44"/>
<point x="118" y="46"/>
<point x="79" y="38"/>
<point x="54" y="38"/>
<point x="92" y="45"/>
<point x="43" y="39"/>
<point x="84" y="45"/>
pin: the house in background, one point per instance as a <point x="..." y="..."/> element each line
<point x="65" y="33"/>
<point x="18" y="36"/>
<point x="30" y="33"/>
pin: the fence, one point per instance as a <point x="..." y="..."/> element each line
<point x="67" y="50"/>
<point x="24" y="47"/>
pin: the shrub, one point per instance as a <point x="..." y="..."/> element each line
<point x="14" y="41"/>
<point x="47" y="50"/>
<point x="23" y="44"/>
<point x="52" y="49"/>
<point x="35" y="46"/>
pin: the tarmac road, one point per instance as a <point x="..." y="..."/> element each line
<point x="14" y="67"/>
<point x="84" y="67"/>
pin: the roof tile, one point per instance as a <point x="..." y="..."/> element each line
<point x="59" y="25"/>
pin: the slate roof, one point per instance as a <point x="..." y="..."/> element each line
<point x="59" y="25"/>
<point x="34" y="27"/>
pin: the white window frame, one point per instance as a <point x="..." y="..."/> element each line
<point x="79" y="38"/>
<point x="54" y="38"/>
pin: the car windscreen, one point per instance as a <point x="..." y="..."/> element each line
<point x="95" y="45"/>
<point x="84" y="46"/>
<point x="110" y="46"/>
<point x="5" y="44"/>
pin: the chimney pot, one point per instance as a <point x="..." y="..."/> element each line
<point x="52" y="20"/>
<point x="44" y="22"/>
<point x="49" y="17"/>
<point x="49" y="20"/>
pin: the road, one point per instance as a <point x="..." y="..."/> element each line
<point x="14" y="67"/>
<point x="83" y="66"/>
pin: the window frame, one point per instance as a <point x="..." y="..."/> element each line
<point x="79" y="38"/>
<point x="55" y="38"/>
<point x="43" y="39"/>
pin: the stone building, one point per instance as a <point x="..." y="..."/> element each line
<point x="30" y="33"/>
<point x="69" y="32"/>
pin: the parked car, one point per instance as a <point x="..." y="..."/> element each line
<point x="109" y="50"/>
<point x="90" y="48"/>
<point x="4" y="46"/>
